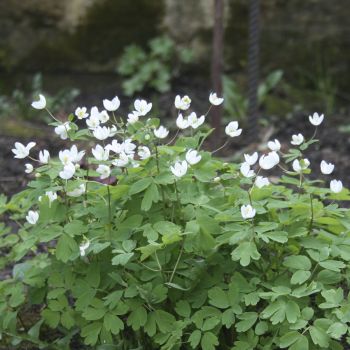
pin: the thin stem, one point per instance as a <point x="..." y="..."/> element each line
<point x="33" y="159"/>
<point x="52" y="116"/>
<point x="159" y="265"/>
<point x="177" y="132"/>
<point x="220" y="148"/>
<point x="312" y="214"/>
<point x="109" y="209"/>
<point x="177" y="262"/>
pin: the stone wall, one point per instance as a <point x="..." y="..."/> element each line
<point x="89" y="35"/>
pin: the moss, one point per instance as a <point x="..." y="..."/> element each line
<point x="99" y="40"/>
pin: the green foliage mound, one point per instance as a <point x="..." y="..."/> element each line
<point x="161" y="248"/>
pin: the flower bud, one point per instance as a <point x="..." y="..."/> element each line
<point x="37" y="175"/>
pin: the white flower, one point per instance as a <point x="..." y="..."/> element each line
<point x="77" y="192"/>
<point x="71" y="156"/>
<point x="181" y="122"/>
<point x="62" y="130"/>
<point x="44" y="156"/>
<point x="217" y="179"/>
<point x="40" y="104"/>
<point x="336" y="186"/>
<point x="32" y="217"/>
<point x="179" y="169"/>
<point x="232" y="129"/>
<point x="103" y="116"/>
<point x="94" y="120"/>
<point x="67" y="172"/>
<point x="142" y="107"/>
<point x="65" y="157"/>
<point x="274" y="145"/>
<point x="104" y="171"/>
<point x="20" y="151"/>
<point x="268" y="161"/>
<point x="297" y="140"/>
<point x="76" y="156"/>
<point x="128" y="146"/>
<point x="80" y="112"/>
<point x="251" y="159"/>
<point x="144" y="152"/>
<point x="161" y="132"/>
<point x="133" y="117"/>
<point x="246" y="171"/>
<point x="247" y="211"/>
<point x="326" y="168"/>
<point x="102" y="132"/>
<point x="316" y="119"/>
<point x="215" y="100"/>
<point x="51" y="195"/>
<point x="83" y="247"/>
<point x="299" y="166"/>
<point x="261" y="181"/>
<point x="29" y="168"/>
<point x="182" y="103"/>
<point x="115" y="146"/>
<point x="100" y="153"/>
<point x="112" y="105"/>
<point x="193" y="157"/>
<point x="123" y="160"/>
<point x="195" y="122"/>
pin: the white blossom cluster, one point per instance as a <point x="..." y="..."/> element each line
<point x="113" y="149"/>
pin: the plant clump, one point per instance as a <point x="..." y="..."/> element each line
<point x="135" y="237"/>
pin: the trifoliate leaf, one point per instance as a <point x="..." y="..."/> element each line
<point x="209" y="341"/>
<point x="137" y="318"/>
<point x="245" y="252"/>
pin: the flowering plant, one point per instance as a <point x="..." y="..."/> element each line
<point x="134" y="238"/>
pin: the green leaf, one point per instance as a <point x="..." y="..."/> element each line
<point x="66" y="248"/>
<point x="210" y="323"/>
<point x="113" y="323"/>
<point x="337" y="330"/>
<point x="300" y="276"/>
<point x="122" y="259"/>
<point x="164" y="320"/>
<point x="288" y="339"/>
<point x="91" y="333"/>
<point x="209" y="341"/>
<point x="151" y="196"/>
<point x="75" y="227"/>
<point x="218" y="298"/>
<point x="140" y="185"/>
<point x="35" y="330"/>
<point x="137" y="318"/>
<point x="292" y="311"/>
<point x="332" y="265"/>
<point x="67" y="319"/>
<point x="247" y="321"/>
<point x="319" y="336"/>
<point x="245" y="252"/>
<point x="261" y="328"/>
<point x="195" y="338"/>
<point x="333" y="298"/>
<point x="183" y="308"/>
<point x="277" y="236"/>
<point x="228" y="318"/>
<point x="301" y="344"/>
<point x="93" y="314"/>
<point x="297" y="262"/>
